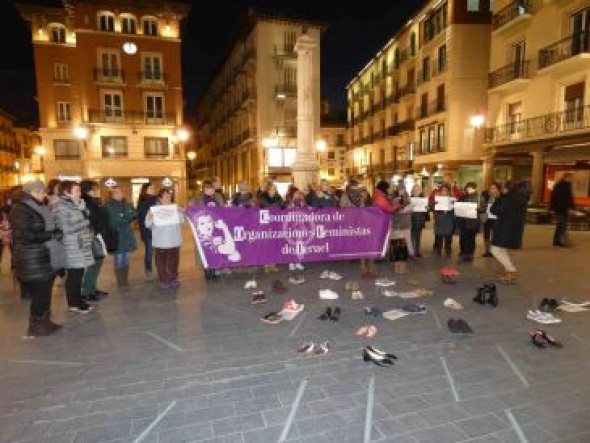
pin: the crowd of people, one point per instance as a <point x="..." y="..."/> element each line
<point x="64" y="230"/>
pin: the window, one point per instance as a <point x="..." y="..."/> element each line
<point x="63" y="112"/>
<point x="440" y="98"/>
<point x="106" y="21"/>
<point x="518" y="58"/>
<point x="155" y="147"/>
<point x="574" y="103"/>
<point x="60" y="73"/>
<point x="57" y="33"/>
<point x="412" y="44"/>
<point x="425" y="69"/>
<point x="441" y="137"/>
<point x="435" y="23"/>
<point x="580" y="22"/>
<point x="423" y="142"/>
<point x="473" y="5"/>
<point x="424" y="106"/>
<point x="397" y="58"/>
<point x="331" y="155"/>
<point x="109" y="66"/>
<point x="114" y="146"/>
<point x="66" y="149"/>
<point x="112" y="103"/>
<point x="514" y="117"/>
<point x="331" y="172"/>
<point x="152" y="68"/>
<point x="128" y="25"/>
<point x="150" y="26"/>
<point x="442" y="58"/>
<point x="281" y="157"/>
<point x="340" y="140"/>
<point x="154" y="107"/>
<point x="431" y="139"/>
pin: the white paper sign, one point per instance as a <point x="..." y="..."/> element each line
<point x="165" y="215"/>
<point x="465" y="209"/>
<point x="419" y="204"/>
<point x="443" y="203"/>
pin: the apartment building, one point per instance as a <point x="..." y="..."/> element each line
<point x="247" y="117"/>
<point x="110" y="92"/>
<point x="31" y="154"/>
<point x="411" y="108"/>
<point x="331" y="150"/>
<point x="538" y="113"/>
<point x="9" y="152"/>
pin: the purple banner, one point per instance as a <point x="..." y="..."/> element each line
<point x="230" y="237"/>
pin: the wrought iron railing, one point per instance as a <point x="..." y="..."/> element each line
<point x="510" y="12"/>
<point x="130" y="117"/>
<point x="571" y="46"/>
<point x="516" y="69"/>
<point x="285" y="51"/>
<point x="287" y="90"/>
<point x="432" y="108"/>
<point x="554" y="123"/>
<point x="407" y="125"/>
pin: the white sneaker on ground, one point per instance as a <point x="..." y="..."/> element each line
<point x="292" y="267"/>
<point x="250" y="284"/>
<point x="334" y="275"/>
<point x="327" y="294"/>
<point x="325" y="274"/>
<point x="357" y="295"/>
<point x="297" y="280"/>
<point x="389" y="293"/>
<point x="385" y="282"/>
<point x="299" y="267"/>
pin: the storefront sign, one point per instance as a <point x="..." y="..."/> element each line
<point x="230" y="237"/>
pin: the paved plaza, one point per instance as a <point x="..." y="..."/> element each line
<point x="199" y="365"/>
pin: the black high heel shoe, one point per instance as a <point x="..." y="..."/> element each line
<point x="326" y="315"/>
<point x="335" y="314"/>
<point x="378" y="360"/>
<point x="380" y="352"/>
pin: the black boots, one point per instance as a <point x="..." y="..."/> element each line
<point x="487" y="293"/>
<point x="122" y="275"/>
<point x="42" y="326"/>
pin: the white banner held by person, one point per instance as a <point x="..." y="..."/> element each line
<point x="443" y="203"/>
<point x="165" y="215"/>
<point x="465" y="209"/>
<point x="419" y="204"/>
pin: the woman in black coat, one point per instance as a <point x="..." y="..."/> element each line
<point x="510" y="209"/>
<point x="32" y="229"/>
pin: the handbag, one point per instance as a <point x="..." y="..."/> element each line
<point x="99" y="249"/>
<point x="57" y="253"/>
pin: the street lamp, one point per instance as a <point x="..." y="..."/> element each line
<point x="80" y="132"/>
<point x="191" y="155"/>
<point x="477" y="121"/>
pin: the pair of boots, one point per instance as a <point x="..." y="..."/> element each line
<point x="42" y="326"/>
<point x="122" y="275"/>
<point x="487" y="293"/>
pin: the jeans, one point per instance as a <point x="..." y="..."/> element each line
<point x="439" y="240"/>
<point x="416" y="239"/>
<point x="74" y="278"/>
<point x="121" y="260"/>
<point x="467" y="242"/>
<point x="147" y="258"/>
<point x="167" y="264"/>
<point x="40" y="296"/>
<point x="560" y="229"/>
<point x="90" y="277"/>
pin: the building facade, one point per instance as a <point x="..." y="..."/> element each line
<point x="247" y="117"/>
<point x="9" y="152"/>
<point x="331" y="150"/>
<point x="31" y="154"/>
<point x="539" y="91"/>
<point x="411" y="108"/>
<point x="110" y="92"/>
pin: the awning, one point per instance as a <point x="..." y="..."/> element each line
<point x="568" y="154"/>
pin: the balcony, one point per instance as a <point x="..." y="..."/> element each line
<point x="570" y="55"/>
<point x="130" y="117"/>
<point x="285" y="51"/>
<point x="407" y="125"/>
<point x="109" y="76"/>
<point x="552" y="125"/>
<point x="509" y="78"/>
<point x="515" y="13"/>
<point x="392" y="130"/>
<point x="284" y="91"/>
<point x="152" y="78"/>
<point x="406" y="90"/>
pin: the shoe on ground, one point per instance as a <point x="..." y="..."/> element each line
<point x="326" y="315"/>
<point x="273" y="318"/>
<point x="336" y="314"/>
<point x="362" y="331"/>
<point x="378" y="359"/>
<point x="322" y="348"/>
<point x="258" y="298"/>
<point x="292" y="267"/>
<point x="92" y="297"/>
<point x="384" y="282"/>
<point x="101" y="294"/>
<point x="334" y="276"/>
<point x="83" y="308"/>
<point x="357" y="295"/>
<point x="325" y="274"/>
<point x="542" y="317"/>
<point x="299" y="267"/>
<point x="371" y="331"/>
<point x="292" y="305"/>
<point x="327" y="294"/>
<point x="250" y="284"/>
<point x="297" y="280"/>
<point x="377" y="351"/>
<point x="464" y="326"/>
<point x="453" y="304"/>
<point x="453" y="326"/>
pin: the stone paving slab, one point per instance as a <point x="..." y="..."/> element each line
<point x="198" y="365"/>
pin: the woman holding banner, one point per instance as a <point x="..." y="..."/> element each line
<point x="165" y="220"/>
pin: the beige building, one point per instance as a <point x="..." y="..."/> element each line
<point x="9" y="152"/>
<point x="31" y="154"/>
<point x="331" y="150"/>
<point x="110" y="92"/>
<point x="247" y="117"/>
<point x="538" y="116"/>
<point x="412" y="106"/>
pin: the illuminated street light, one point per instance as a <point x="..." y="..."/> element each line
<point x="182" y="135"/>
<point x="321" y="145"/>
<point x="80" y="132"/>
<point x="40" y="150"/>
<point x="477" y="121"/>
<point x="191" y="155"/>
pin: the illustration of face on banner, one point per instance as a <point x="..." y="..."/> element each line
<point x="227" y="237"/>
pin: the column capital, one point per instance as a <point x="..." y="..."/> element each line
<point x="305" y="43"/>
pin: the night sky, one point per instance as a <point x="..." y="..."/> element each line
<point x="352" y="37"/>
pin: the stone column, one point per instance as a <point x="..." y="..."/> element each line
<point x="305" y="167"/>
<point x="488" y="169"/>
<point x="537" y="176"/>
